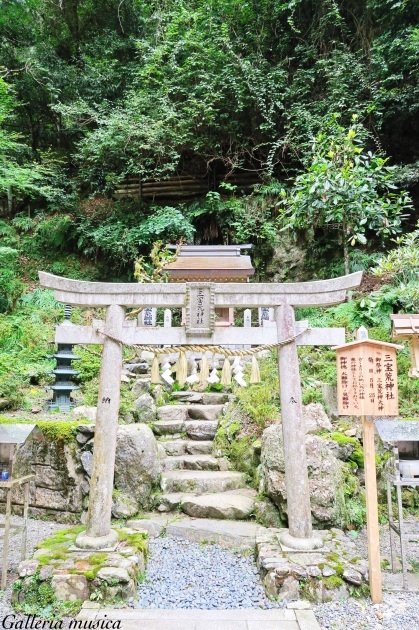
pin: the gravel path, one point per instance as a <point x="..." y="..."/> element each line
<point x="183" y="574"/>
<point x="37" y="531"/>
<point x="399" y="610"/>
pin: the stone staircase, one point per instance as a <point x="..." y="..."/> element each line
<point x="194" y="480"/>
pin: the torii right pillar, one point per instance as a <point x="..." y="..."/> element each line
<point x="300" y="533"/>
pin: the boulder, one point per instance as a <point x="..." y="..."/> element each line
<point x="137" y="368"/>
<point x="326" y="476"/>
<point x="69" y="587"/>
<point x="113" y="574"/>
<point x="85" y="412"/>
<point x="352" y="576"/>
<point x="58" y="480"/>
<point x="86" y="459"/>
<point x="141" y="386"/>
<point x="28" y="567"/>
<point x="145" y="408"/>
<point x="266" y="513"/>
<point x="124" y="505"/>
<point x="316" y="419"/>
<point x="137" y="463"/>
<point x="4" y="404"/>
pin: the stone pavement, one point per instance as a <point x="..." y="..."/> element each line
<point x="298" y="618"/>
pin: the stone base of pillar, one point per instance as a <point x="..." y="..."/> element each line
<point x="300" y="544"/>
<point x="99" y="543"/>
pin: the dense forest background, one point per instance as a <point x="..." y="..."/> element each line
<point x="298" y="120"/>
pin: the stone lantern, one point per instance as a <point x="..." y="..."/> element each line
<point x="402" y="472"/>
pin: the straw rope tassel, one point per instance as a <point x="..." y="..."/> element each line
<point x="182" y="369"/>
<point x="204" y="368"/>
<point x="255" y="375"/>
<point x="226" y="373"/>
<point x="155" y="374"/>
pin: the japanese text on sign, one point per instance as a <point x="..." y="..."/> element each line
<point x="367" y="380"/>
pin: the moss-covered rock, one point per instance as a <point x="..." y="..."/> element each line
<point x="59" y="579"/>
<point x="331" y="482"/>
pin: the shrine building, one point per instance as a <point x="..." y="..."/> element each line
<point x="211" y="263"/>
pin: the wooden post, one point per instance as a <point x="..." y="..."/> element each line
<point x="373" y="532"/>
<point x="99" y="534"/>
<point x="25" y="520"/>
<point x="300" y="534"/>
<point x="6" y="538"/>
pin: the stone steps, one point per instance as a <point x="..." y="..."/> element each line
<point x="204" y="430"/>
<point x="236" y="505"/>
<point x="185" y="447"/>
<point x="189" y="412"/>
<point x="230" y="505"/>
<point x="194" y="482"/>
<point x="227" y="533"/>
<point x="205" y="398"/>
<point x="191" y="481"/>
<point x="168" y="427"/>
<point x="201" y="429"/>
<point x="191" y="462"/>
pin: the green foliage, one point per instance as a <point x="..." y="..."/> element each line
<point x="24" y="344"/>
<point x="89" y="364"/>
<point x="345" y="188"/>
<point x="19" y="174"/>
<point x="39" y="599"/>
<point x="332" y="582"/>
<point x="10" y="285"/>
<point x="357" y="455"/>
<point x="121" y="236"/>
<point x="402" y="263"/>
<point x="260" y="402"/>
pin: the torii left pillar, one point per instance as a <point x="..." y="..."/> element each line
<point x="98" y="534"/>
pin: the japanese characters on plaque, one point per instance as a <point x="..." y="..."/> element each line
<point x="149" y="316"/>
<point x="199" y="309"/>
<point x="367" y="380"/>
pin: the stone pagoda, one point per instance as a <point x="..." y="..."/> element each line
<point x="64" y="372"/>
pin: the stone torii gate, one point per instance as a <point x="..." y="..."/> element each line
<point x="200" y="300"/>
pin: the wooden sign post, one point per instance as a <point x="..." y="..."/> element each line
<point x="367" y="387"/>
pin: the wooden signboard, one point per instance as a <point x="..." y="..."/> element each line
<point x="367" y="379"/>
<point x="367" y="387"/>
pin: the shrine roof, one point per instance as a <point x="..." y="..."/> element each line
<point x="15" y="433"/>
<point x="398" y="430"/>
<point x="371" y="342"/>
<point x="206" y="262"/>
<point x="405" y="326"/>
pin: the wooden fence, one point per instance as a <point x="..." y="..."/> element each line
<point x="181" y="186"/>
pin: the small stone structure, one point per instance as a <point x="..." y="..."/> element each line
<point x="76" y="575"/>
<point x="332" y="574"/>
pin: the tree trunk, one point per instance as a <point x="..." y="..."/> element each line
<point x="345" y="248"/>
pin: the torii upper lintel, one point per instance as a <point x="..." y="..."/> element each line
<point x="172" y="295"/>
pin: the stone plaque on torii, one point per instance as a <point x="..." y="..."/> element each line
<point x="200" y="299"/>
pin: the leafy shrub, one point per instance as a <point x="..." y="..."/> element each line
<point x="10" y="285"/>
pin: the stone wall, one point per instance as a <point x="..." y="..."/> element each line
<point x="58" y="487"/>
<point x="62" y="471"/>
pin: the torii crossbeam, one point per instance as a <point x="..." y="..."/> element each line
<point x="200" y="300"/>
